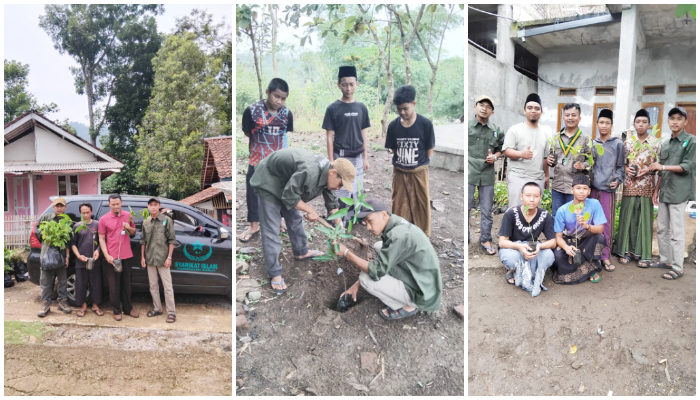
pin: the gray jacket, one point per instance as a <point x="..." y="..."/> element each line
<point x="611" y="163"/>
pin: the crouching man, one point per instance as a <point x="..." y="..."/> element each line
<point x="405" y="274"/>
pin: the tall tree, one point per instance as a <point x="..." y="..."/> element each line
<point x="98" y="37"/>
<point x="185" y="108"/>
<point x="247" y="25"/>
<point x="132" y="92"/>
<point x="17" y="98"/>
<point x="406" y="40"/>
<point x="272" y="10"/>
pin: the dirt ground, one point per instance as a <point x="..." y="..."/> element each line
<point x="300" y="345"/>
<point x="519" y="345"/>
<point x="143" y="356"/>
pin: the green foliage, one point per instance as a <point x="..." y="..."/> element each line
<point x="57" y="233"/>
<point x="355" y="204"/>
<point x="546" y="203"/>
<point x="8" y="259"/>
<point x="683" y="9"/>
<point x="185" y="108"/>
<point x="617" y="217"/>
<point x="17" y="99"/>
<point x="638" y="146"/>
<point x="242" y="149"/>
<point x="500" y="195"/>
<point x="18" y="332"/>
<point x="82" y="226"/>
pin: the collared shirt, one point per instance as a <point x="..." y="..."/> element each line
<point x="408" y="256"/>
<point x="644" y="186"/>
<point x="157" y="233"/>
<point x="111" y="226"/>
<point x="563" y="174"/>
<point x="481" y="139"/>
<point x="677" y="187"/>
<point x="290" y="175"/>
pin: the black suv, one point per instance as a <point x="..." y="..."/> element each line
<point x="202" y="259"/>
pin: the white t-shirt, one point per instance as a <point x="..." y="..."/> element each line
<point x="520" y="136"/>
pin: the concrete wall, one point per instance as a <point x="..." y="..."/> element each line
<point x="586" y="67"/>
<point x="21" y="149"/>
<point x="490" y="77"/>
<point x="52" y="148"/>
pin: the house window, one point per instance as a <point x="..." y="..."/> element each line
<point x="7" y="207"/>
<point x="605" y="91"/>
<point x="655" y="110"/>
<point x="68" y="185"/>
<point x="657" y="89"/>
<point x="567" y="92"/>
<point x="686" y="89"/>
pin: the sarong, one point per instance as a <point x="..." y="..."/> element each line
<point x="358" y="162"/>
<point x="591" y="247"/>
<point x="410" y="196"/>
<point x="636" y="227"/>
<point x="607" y="201"/>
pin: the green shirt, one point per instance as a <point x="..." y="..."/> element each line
<point x="677" y="187"/>
<point x="408" y="256"/>
<point x="157" y="233"/>
<point x="289" y="175"/>
<point x="481" y="139"/>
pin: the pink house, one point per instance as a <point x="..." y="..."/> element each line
<point x="42" y="159"/>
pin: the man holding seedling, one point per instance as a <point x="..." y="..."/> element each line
<point x="636" y="224"/>
<point x="48" y="277"/>
<point x="609" y="173"/>
<point x="84" y="247"/>
<point x="527" y="147"/>
<point x="525" y="258"/>
<point x="114" y="229"/>
<point x="411" y="138"/>
<point x="266" y="123"/>
<point x="674" y="188"/>
<point x="346" y="122"/>
<point x="578" y="227"/>
<point x="157" y="243"/>
<point x="405" y="274"/>
<point x="485" y="141"/>
<point x="285" y="182"/>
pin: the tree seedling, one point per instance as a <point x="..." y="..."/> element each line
<point x="355" y="204"/>
<point x="533" y="243"/>
<point x="332" y="235"/>
<point x="8" y="257"/>
<point x="576" y="210"/>
<point x="552" y="143"/>
<point x="81" y="227"/>
<point x="638" y="147"/>
<point x="57" y="233"/>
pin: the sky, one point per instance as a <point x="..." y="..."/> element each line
<point x="453" y="44"/>
<point x="50" y="79"/>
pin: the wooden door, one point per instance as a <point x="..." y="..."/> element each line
<point x="596" y="110"/>
<point x="690" y="108"/>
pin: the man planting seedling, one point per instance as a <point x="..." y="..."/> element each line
<point x="578" y="227"/>
<point x="405" y="274"/>
<point x="286" y="181"/>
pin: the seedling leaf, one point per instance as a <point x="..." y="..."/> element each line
<point x="339" y="214"/>
<point x="347" y="200"/>
<point x="345" y="236"/>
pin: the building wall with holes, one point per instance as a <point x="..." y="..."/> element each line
<point x="507" y="87"/>
<point x="590" y="66"/>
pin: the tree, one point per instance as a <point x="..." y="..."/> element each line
<point x="185" y="108"/>
<point x="17" y="98"/>
<point x="98" y="37"/>
<point x="272" y="10"/>
<point x="246" y="25"/>
<point x="406" y="41"/>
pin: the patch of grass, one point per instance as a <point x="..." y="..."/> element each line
<point x="243" y="257"/>
<point x="376" y="147"/>
<point x="242" y="151"/>
<point x="17" y="332"/>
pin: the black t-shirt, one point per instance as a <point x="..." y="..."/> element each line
<point x="516" y="228"/>
<point x="411" y="144"/>
<point x="347" y="120"/>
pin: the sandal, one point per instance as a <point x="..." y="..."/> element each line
<point x="98" y="312"/>
<point x="278" y="291"/>
<point x="625" y="259"/>
<point x="608" y="265"/>
<point x="250" y="236"/>
<point x="595" y="280"/>
<point x="171" y="318"/>
<point x="81" y="313"/>
<point x="397" y="314"/>
<point x="643" y="263"/>
<point x="314" y="253"/>
<point x="488" y="250"/>
<point x="510" y="274"/>
<point x="659" y="264"/>
<point x="154" y="313"/>
<point x="673" y="275"/>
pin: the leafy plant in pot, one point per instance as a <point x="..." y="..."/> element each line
<point x="576" y="210"/>
<point x="57" y="235"/>
<point x="81" y="227"/>
<point x="552" y="143"/>
<point x="332" y="235"/>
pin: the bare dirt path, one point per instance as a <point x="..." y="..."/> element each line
<point x="297" y="344"/>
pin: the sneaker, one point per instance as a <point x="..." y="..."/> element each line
<point x="45" y="309"/>
<point x="63" y="306"/>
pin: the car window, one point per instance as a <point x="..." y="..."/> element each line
<point x="73" y="209"/>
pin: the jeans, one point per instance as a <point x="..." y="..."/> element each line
<point x="559" y="199"/>
<point x="270" y="228"/>
<point x="46" y="281"/>
<point x="528" y="274"/>
<point x="486" y="204"/>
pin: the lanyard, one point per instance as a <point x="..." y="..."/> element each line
<point x="571" y="143"/>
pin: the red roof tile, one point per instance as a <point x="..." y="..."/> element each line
<point x="205" y="194"/>
<point x="218" y="159"/>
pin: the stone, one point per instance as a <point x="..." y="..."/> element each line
<point x="368" y="361"/>
<point x="639" y="356"/>
<point x="243" y="287"/>
<point x="459" y="310"/>
<point x="241" y="267"/>
<point x="246" y="308"/>
<point x="32" y="339"/>
<point x="241" y="322"/>
<point x="239" y="309"/>
<point x="253" y="296"/>
<point x="239" y="383"/>
<point x="437" y="206"/>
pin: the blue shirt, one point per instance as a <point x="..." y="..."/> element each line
<point x="565" y="220"/>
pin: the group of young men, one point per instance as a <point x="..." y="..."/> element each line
<point x="114" y="230"/>
<point x="281" y="181"/>
<point x="579" y="230"/>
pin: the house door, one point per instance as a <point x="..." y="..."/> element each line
<point x="21" y="195"/>
<point x="690" y="109"/>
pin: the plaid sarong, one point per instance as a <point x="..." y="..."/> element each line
<point x="358" y="162"/>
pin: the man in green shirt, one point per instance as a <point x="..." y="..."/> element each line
<point x="675" y="186"/>
<point x="285" y="182"/>
<point x="157" y="242"/>
<point x="405" y="274"/>
<point x="485" y="142"/>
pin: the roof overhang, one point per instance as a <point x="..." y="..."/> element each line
<point x="89" y="166"/>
